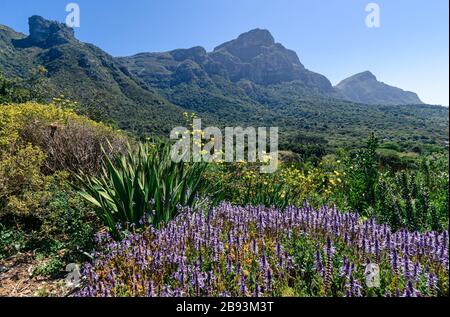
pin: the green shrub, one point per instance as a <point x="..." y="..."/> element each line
<point x="415" y="199"/>
<point x="362" y="176"/>
<point x="20" y="171"/>
<point x="36" y="87"/>
<point x="39" y="211"/>
<point x="53" y="221"/>
<point x="11" y="241"/>
<point x="242" y="184"/>
<point x="52" y="267"/>
<point x="143" y="183"/>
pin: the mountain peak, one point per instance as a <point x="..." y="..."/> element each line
<point x="367" y="75"/>
<point x="46" y="33"/>
<point x="364" y="87"/>
<point x="257" y="37"/>
<point x="253" y="56"/>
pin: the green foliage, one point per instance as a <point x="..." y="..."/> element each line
<point x="415" y="199"/>
<point x="310" y="124"/>
<point x="413" y="196"/>
<point x="6" y="90"/>
<point x="264" y="194"/>
<point x="71" y="221"/>
<point x="292" y="184"/>
<point x="310" y="146"/>
<point x="242" y="184"/>
<point x="11" y="241"/>
<point x="143" y="184"/>
<point x="308" y="280"/>
<point x="20" y="171"/>
<point x="363" y="174"/>
<point x="39" y="211"/>
<point x="36" y="88"/>
<point x="51" y="268"/>
<point x="53" y="221"/>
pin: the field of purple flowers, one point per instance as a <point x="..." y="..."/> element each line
<point x="258" y="251"/>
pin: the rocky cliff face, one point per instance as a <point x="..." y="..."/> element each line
<point x="365" y="88"/>
<point x="254" y="56"/>
<point x="45" y="33"/>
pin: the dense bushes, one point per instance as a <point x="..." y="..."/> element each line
<point x="20" y="171"/>
<point x="128" y="188"/>
<point x="70" y="142"/>
<point x="39" y="140"/>
<point x="36" y="87"/>
<point x="362" y="176"/>
<point x="52" y="221"/>
<point x="415" y="198"/>
<point x="292" y="184"/>
<point x="40" y="148"/>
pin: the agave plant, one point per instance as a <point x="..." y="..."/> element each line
<point x="143" y="183"/>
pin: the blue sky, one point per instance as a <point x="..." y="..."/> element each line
<point x="410" y="49"/>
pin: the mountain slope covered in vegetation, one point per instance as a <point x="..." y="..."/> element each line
<point x="85" y="73"/>
<point x="249" y="81"/>
<point x="77" y="192"/>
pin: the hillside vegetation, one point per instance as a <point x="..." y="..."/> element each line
<point x="41" y="147"/>
<point x="87" y="180"/>
<point x="249" y="81"/>
<point x="68" y="183"/>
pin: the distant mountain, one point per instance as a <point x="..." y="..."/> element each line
<point x="249" y="81"/>
<point x="228" y="83"/>
<point x="85" y="73"/>
<point x="253" y="56"/>
<point x="254" y="80"/>
<point x="365" y="88"/>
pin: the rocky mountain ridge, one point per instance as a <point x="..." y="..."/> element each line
<point x="364" y="87"/>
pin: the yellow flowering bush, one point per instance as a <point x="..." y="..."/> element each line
<point x="70" y="142"/>
<point x="317" y="184"/>
<point x="37" y="141"/>
<point x="20" y="171"/>
<point x="291" y="184"/>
